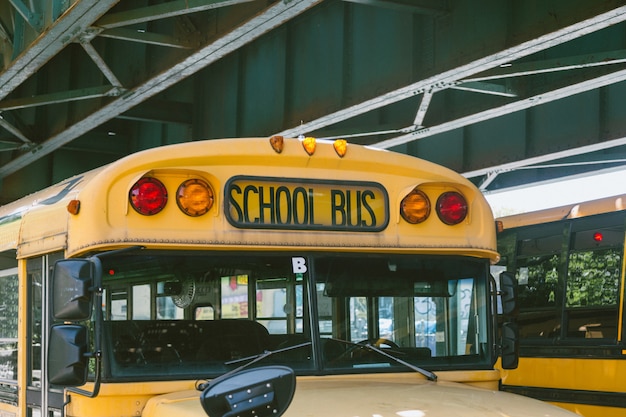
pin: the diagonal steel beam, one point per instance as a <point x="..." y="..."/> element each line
<point x="597" y="59"/>
<point x="528" y="162"/>
<point x="83" y="13"/>
<point x="130" y="35"/>
<point x="60" y="97"/>
<point x="411" y="6"/>
<point x="34" y="20"/>
<point x="529" y="102"/>
<point x="15" y="132"/>
<point x="273" y="17"/>
<point x="452" y="76"/>
<point x="162" y="11"/>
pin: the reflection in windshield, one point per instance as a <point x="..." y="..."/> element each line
<point x="199" y="315"/>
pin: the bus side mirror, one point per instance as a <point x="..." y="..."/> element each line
<point x="262" y="392"/>
<point x="76" y="288"/>
<point x="67" y="358"/>
<point x="72" y="289"/>
<point x="508" y="293"/>
<point x="510" y="345"/>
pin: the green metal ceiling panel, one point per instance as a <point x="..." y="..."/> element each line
<point x="485" y="87"/>
<point x="613" y="112"/>
<point x="216" y="104"/>
<point x="262" y="86"/>
<point x="553" y="127"/>
<point x="315" y="65"/>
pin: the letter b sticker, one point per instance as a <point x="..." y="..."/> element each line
<point x="299" y="265"/>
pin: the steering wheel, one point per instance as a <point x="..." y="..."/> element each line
<point x="380" y="343"/>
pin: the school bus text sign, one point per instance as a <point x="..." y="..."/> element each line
<point x="298" y="203"/>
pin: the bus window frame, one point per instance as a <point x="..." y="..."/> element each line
<point x="532" y="346"/>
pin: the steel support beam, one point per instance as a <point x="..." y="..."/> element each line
<point x="543" y="98"/>
<point x="453" y="76"/>
<point x="162" y="11"/>
<point x="273" y="17"/>
<point x="83" y="13"/>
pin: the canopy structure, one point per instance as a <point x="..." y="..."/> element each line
<point x="504" y="92"/>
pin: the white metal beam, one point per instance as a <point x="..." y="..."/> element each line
<point x="451" y="77"/>
<point x="529" y="102"/>
<point x="81" y="14"/>
<point x="262" y="23"/>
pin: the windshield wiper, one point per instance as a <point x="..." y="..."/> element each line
<point x="260" y="356"/>
<point x="200" y="386"/>
<point x="431" y="376"/>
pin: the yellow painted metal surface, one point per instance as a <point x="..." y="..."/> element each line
<point x="41" y="222"/>
<point x="576" y="374"/>
<point x="571" y="211"/>
<point x="386" y="395"/>
<point x="123" y="399"/>
<point x="106" y="219"/>
<point x="572" y="373"/>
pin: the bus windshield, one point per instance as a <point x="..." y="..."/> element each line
<point x="201" y="314"/>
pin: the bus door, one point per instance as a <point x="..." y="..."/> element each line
<point x="42" y="399"/>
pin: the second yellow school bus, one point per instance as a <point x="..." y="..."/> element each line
<point x="201" y="277"/>
<point x="569" y="263"/>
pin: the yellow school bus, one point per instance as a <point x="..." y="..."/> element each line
<point x="255" y="277"/>
<point x="569" y="264"/>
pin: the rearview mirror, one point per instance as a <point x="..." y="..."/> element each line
<point x="67" y="357"/>
<point x="71" y="291"/>
<point x="510" y="345"/>
<point x="508" y="293"/>
<point x="262" y="392"/>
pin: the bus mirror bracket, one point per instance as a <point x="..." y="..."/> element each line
<point x="263" y="392"/>
<point x="510" y="345"/>
<point x="508" y="293"/>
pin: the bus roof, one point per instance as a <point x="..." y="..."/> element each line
<point x="105" y="220"/>
<point x="570" y="211"/>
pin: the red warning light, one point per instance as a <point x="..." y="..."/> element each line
<point x="148" y="196"/>
<point x="597" y="236"/>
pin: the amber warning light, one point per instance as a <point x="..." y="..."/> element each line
<point x="451" y="207"/>
<point x="194" y="197"/>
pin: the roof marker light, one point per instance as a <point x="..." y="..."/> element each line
<point x="277" y="143"/>
<point x="309" y="145"/>
<point x="415" y="207"/>
<point x="73" y="207"/>
<point x="451" y="208"/>
<point x="148" y="196"/>
<point x="341" y="146"/>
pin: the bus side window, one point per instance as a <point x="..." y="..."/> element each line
<point x="8" y="332"/>
<point x="540" y="291"/>
<point x="593" y="283"/>
<point x="118" y="303"/>
<point x="142" y="297"/>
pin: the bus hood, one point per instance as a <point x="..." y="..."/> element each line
<point x="408" y="395"/>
